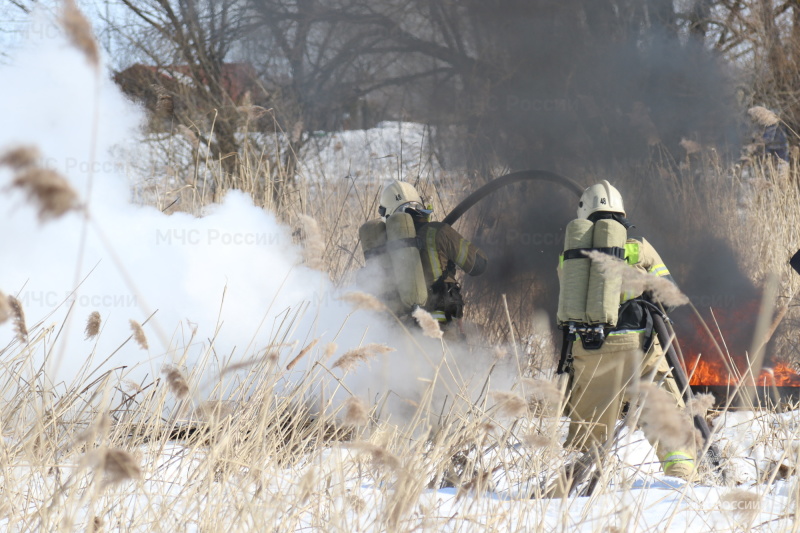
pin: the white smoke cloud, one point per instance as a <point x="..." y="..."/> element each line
<point x="233" y="275"/>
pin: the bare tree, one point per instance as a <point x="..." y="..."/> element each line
<point x="189" y="81"/>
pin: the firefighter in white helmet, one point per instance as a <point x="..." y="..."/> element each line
<point x="439" y="251"/>
<point x="606" y="359"/>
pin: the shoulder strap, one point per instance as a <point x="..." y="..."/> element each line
<point x="397" y="244"/>
<point x="578" y="253"/>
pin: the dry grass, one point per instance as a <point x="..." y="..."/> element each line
<point x="6" y="311"/>
<point x="355" y="412"/>
<point x="93" y="325"/>
<point x="20" y="157"/>
<point x="265" y="454"/>
<point x="176" y="382"/>
<point x="49" y="190"/>
<point x="428" y="324"/>
<point x="638" y="282"/>
<point x="79" y="32"/>
<point x="363" y="300"/>
<point x="138" y="335"/>
<point x="19" y="319"/>
<point x="353" y="358"/>
<point x="313" y="243"/>
<point x="663" y="422"/>
<point x="267" y="459"/>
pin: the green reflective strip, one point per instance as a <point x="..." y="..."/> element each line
<point x="659" y="270"/>
<point x="433" y="254"/>
<point x="625" y="332"/>
<point x="677" y="457"/>
<point x="560" y="260"/>
<point x="439" y="315"/>
<point x="627" y="295"/>
<point x="463" y="250"/>
<point x="632" y="252"/>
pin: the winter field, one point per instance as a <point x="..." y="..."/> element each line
<point x="215" y="367"/>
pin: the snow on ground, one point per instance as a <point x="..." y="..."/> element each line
<point x="390" y="150"/>
<point x="349" y="495"/>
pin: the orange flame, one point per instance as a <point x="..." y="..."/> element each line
<point x="710" y="369"/>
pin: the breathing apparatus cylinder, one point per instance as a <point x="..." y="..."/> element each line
<point x="574" y="278"/>
<point x="373" y="235"/>
<point x="373" y="242"/>
<point x="377" y="275"/>
<point x="604" y="287"/>
<point x="405" y="259"/>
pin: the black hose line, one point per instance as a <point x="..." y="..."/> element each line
<point x="508" y="179"/>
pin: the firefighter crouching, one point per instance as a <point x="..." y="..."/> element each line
<point x="417" y="258"/>
<point x="613" y="342"/>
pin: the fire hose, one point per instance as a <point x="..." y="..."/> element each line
<point x="712" y="454"/>
<point x="508" y="179"/>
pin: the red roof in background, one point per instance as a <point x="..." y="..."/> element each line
<point x="237" y="78"/>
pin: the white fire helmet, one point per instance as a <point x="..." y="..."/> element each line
<point x="398" y="196"/>
<point x="600" y="197"/>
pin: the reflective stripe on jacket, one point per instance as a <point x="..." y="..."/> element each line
<point x="641" y="255"/>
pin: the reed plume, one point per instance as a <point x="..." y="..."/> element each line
<point x="510" y="404"/>
<point x="313" y="243"/>
<point x="48" y="189"/>
<point x="6" y="311"/>
<point x="662" y="421"/>
<point x="92" y="325"/>
<point x="363" y="300"/>
<point x="638" y="282"/>
<point x="176" y="382"/>
<point x="20" y="157"/>
<point x="79" y="32"/>
<point x="18" y="313"/>
<point x="138" y="335"/>
<point x="351" y="359"/>
<point x="380" y="455"/>
<point x="302" y="354"/>
<point x="117" y="465"/>
<point x="355" y="412"/>
<point x="762" y="116"/>
<point x="428" y="324"/>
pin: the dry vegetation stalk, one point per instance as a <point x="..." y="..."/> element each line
<point x="544" y="391"/>
<point x="510" y="404"/>
<point x="536" y="441"/>
<point x="381" y="457"/>
<point x="20" y="157"/>
<point x="744" y="503"/>
<point x="20" y="327"/>
<point x="138" y="335"/>
<point x="763" y="116"/>
<point x="117" y="465"/>
<point x="49" y="190"/>
<point x="176" y="382"/>
<point x="638" y="282"/>
<point x="428" y="324"/>
<point x="5" y="308"/>
<point x="354" y="357"/>
<point x="79" y="32"/>
<point x="93" y="325"/>
<point x="662" y="421"/>
<point x="363" y="300"/>
<point x="330" y="349"/>
<point x="302" y="354"/>
<point x="700" y="404"/>
<point x="313" y="243"/>
<point x="355" y="412"/>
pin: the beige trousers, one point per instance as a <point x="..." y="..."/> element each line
<point x="601" y="378"/>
